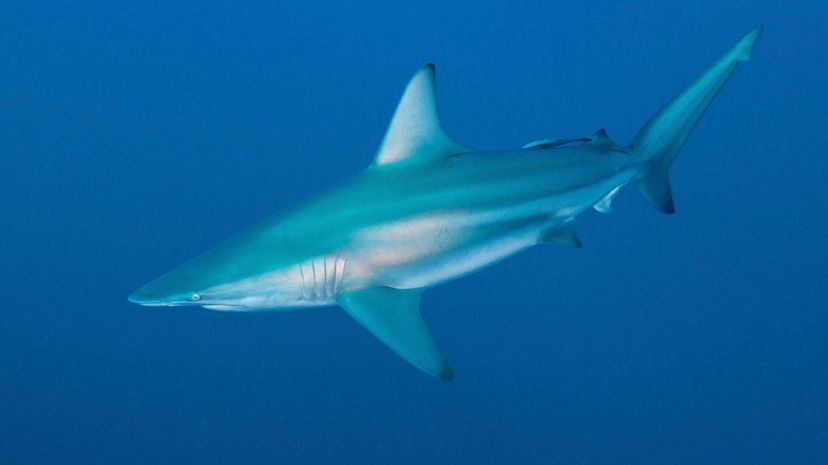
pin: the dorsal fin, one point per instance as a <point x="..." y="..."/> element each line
<point x="415" y="132"/>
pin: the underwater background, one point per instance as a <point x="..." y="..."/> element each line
<point x="135" y="135"/>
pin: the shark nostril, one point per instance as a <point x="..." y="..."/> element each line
<point x="195" y="297"/>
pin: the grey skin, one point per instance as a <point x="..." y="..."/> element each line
<point x="429" y="210"/>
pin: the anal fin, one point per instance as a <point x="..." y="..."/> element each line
<point x="605" y="204"/>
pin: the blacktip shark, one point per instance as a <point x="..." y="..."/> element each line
<point x="429" y="210"/>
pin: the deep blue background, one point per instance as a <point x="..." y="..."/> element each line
<point x="135" y="135"/>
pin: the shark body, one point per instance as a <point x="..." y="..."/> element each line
<point x="429" y="210"/>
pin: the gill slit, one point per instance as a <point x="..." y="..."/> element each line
<point x="325" y="275"/>
<point x="330" y="284"/>
<point x="315" y="286"/>
<point x="304" y="288"/>
<point x="341" y="274"/>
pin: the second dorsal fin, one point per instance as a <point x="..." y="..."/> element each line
<point x="601" y="139"/>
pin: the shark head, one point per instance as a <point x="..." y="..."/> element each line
<point x="228" y="278"/>
<point x="177" y="289"/>
<point x="181" y="287"/>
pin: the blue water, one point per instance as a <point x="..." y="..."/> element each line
<point x="135" y="135"/>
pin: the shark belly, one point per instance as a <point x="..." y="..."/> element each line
<point x="464" y="259"/>
<point x="432" y="248"/>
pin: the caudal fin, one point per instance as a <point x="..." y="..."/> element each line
<point x="662" y="137"/>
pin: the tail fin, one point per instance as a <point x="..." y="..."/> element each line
<point x="660" y="140"/>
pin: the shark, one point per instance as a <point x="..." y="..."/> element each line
<point x="428" y="210"/>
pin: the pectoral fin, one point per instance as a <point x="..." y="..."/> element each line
<point x="393" y="316"/>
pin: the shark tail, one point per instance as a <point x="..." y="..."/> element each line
<point x="659" y="141"/>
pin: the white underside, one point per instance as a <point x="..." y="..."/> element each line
<point x="414" y="252"/>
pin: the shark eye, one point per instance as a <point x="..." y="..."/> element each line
<point x="195" y="296"/>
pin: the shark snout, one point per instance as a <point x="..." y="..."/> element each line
<point x="137" y="298"/>
<point x="160" y="293"/>
<point x="142" y="298"/>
